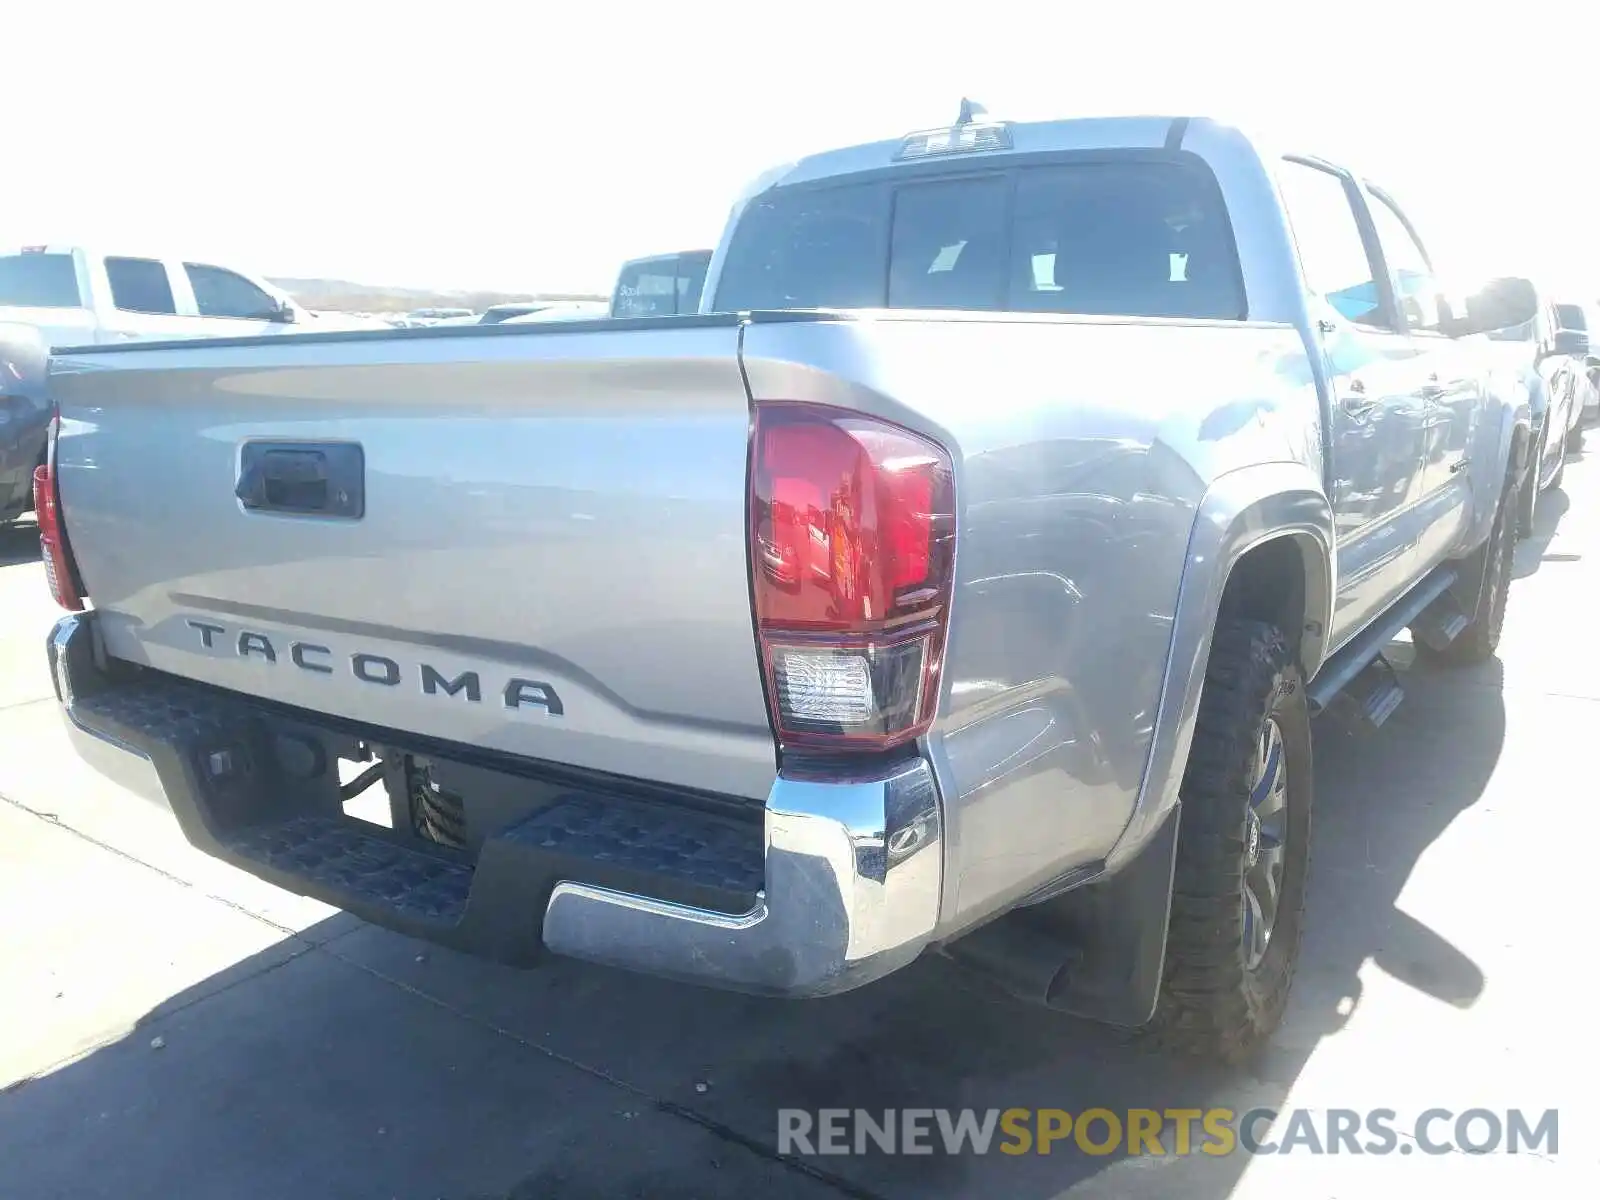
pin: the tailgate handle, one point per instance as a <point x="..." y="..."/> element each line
<point x="320" y="479"/>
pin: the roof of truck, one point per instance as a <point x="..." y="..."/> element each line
<point x="1027" y="137"/>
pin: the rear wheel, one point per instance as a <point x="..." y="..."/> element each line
<point x="1244" y="838"/>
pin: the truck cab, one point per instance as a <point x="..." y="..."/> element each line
<point x="77" y="296"/>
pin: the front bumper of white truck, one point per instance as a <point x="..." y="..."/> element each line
<point x="835" y="883"/>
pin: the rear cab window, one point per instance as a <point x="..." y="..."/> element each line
<point x="1116" y="237"/>
<point x="36" y="280"/>
<point x="661" y="287"/>
<point x="140" y="285"/>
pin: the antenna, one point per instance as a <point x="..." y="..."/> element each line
<point x="970" y="111"/>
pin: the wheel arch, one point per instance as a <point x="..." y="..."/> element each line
<point x="1285" y="579"/>
<point x="1263" y="543"/>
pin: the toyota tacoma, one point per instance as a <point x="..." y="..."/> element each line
<point x="963" y="578"/>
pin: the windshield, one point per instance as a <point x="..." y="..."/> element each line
<point x="38" y="281"/>
<point x="1129" y="238"/>
<point x="1570" y="316"/>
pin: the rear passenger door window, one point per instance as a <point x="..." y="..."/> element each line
<point x="1333" y="254"/>
<point x="140" y="285"/>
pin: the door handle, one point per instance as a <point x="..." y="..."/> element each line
<point x="307" y="478"/>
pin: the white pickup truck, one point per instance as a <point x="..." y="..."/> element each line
<point x="76" y="297"/>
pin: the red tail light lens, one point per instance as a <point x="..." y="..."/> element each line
<point x="852" y="540"/>
<point x="58" y="568"/>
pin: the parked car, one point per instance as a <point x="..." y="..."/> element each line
<point x="770" y="650"/>
<point x="24" y="416"/>
<point x="663" y="285"/>
<point x="76" y="296"/>
<point x="1547" y="359"/>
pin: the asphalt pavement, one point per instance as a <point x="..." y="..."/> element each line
<point x="170" y="1027"/>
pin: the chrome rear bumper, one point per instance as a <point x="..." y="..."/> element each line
<point x="847" y="889"/>
<point x="853" y="876"/>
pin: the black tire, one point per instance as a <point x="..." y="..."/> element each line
<point x="1574" y="444"/>
<point x="1490" y="565"/>
<point x="1214" y="1003"/>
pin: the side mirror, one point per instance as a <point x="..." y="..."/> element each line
<point x="284" y="314"/>
<point x="1501" y="303"/>
<point x="1570" y="341"/>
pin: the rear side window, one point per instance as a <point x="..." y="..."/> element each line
<point x="140" y="285"/>
<point x="39" y="281"/>
<point x="1128" y="238"/>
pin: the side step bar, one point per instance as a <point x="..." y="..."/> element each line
<point x="1359" y="673"/>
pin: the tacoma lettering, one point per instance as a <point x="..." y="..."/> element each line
<point x="377" y="669"/>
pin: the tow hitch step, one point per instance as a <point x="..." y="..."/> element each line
<point x="1441" y="622"/>
<point x="1375" y="692"/>
<point x="1360" y="674"/>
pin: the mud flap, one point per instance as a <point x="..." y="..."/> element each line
<point x="1120" y="928"/>
<point x="1096" y="951"/>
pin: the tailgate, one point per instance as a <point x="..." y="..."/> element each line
<point x="549" y="557"/>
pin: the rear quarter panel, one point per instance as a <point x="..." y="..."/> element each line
<point x="1083" y="449"/>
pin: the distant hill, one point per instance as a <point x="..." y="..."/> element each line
<point x="339" y="295"/>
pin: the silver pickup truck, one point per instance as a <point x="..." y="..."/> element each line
<point x="963" y="578"/>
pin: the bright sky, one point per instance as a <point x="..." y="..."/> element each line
<point x="535" y="145"/>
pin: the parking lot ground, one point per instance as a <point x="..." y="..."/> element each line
<point x="172" y="1027"/>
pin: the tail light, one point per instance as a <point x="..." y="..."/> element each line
<point x="852" y="543"/>
<point x="57" y="555"/>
